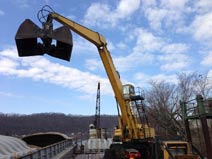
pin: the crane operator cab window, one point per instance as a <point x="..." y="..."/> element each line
<point x="128" y="91"/>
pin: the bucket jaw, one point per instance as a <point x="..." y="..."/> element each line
<point x="32" y="40"/>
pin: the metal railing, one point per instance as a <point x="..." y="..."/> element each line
<point x="49" y="151"/>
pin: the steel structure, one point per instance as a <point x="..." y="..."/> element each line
<point x="202" y="112"/>
<point x="97" y="114"/>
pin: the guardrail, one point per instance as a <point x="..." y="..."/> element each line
<point x="49" y="151"/>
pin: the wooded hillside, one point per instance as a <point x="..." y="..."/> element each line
<point x="15" y="124"/>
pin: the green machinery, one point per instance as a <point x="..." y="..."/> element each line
<point x="202" y="112"/>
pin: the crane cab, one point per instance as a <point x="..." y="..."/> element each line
<point x="129" y="93"/>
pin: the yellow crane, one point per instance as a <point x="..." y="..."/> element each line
<point x="131" y="132"/>
<point x="27" y="45"/>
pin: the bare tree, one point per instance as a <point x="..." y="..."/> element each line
<point x="163" y="100"/>
<point x="203" y="85"/>
<point x="186" y="85"/>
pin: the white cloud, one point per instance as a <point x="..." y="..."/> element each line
<point x="8" y="94"/>
<point x="110" y="45"/>
<point x="133" y="60"/>
<point x="196" y="20"/>
<point x="174" y="66"/>
<point x="121" y="45"/>
<point x="173" y="62"/>
<point x="146" y="41"/>
<point x="171" y="56"/>
<point x="103" y="15"/>
<point x="174" y="4"/>
<point x="83" y="46"/>
<point x="127" y="7"/>
<point x="201" y="27"/>
<point x="93" y="64"/>
<point x="151" y="13"/>
<point x="166" y="18"/>
<point x="175" y="48"/>
<point x="148" y="3"/>
<point x="10" y="52"/>
<point x="203" y="6"/>
<point x="141" y="54"/>
<point x="1" y="13"/>
<point x="144" y="79"/>
<point x="39" y="68"/>
<point x="123" y="63"/>
<point x="207" y="59"/>
<point x="174" y="57"/>
<point x="7" y="63"/>
<point x="165" y="14"/>
<point x="5" y="94"/>
<point x="166" y="78"/>
<point x="209" y="74"/>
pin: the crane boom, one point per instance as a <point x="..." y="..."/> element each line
<point x="128" y="123"/>
<point x="90" y="35"/>
<point x="99" y="41"/>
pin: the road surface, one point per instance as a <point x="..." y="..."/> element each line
<point x="90" y="156"/>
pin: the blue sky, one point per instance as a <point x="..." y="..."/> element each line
<point x="148" y="40"/>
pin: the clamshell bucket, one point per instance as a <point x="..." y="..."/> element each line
<point x="31" y="40"/>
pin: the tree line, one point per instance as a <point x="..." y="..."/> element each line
<point x="16" y="124"/>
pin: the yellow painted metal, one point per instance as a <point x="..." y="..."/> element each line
<point x="97" y="39"/>
<point x="180" y="145"/>
<point x="92" y="36"/>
